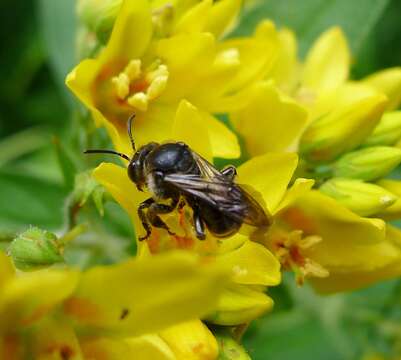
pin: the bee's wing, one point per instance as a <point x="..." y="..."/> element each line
<point x="224" y="195"/>
<point x="208" y="171"/>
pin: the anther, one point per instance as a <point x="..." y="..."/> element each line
<point x="121" y="83"/>
<point x="139" y="101"/>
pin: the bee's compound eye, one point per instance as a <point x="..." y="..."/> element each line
<point x="135" y="173"/>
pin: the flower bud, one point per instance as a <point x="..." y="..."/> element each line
<point x="387" y="131"/>
<point x="368" y="164"/>
<point x="388" y="82"/>
<point x="362" y="198"/>
<point x="35" y="248"/>
<point x="191" y="340"/>
<point x="229" y="349"/>
<point x="342" y="129"/>
<point x="393" y="212"/>
<point x="240" y="304"/>
<point x="99" y="16"/>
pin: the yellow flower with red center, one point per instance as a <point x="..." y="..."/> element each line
<point x="139" y="71"/>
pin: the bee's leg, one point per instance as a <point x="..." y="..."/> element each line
<point x="199" y="225"/>
<point x="144" y="219"/>
<point x="155" y="209"/>
<point x="229" y="172"/>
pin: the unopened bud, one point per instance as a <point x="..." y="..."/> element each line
<point x="392" y="212"/>
<point x="191" y="340"/>
<point x="368" y="164"/>
<point x="387" y="131"/>
<point x="99" y="16"/>
<point x="362" y="198"/>
<point x="229" y="349"/>
<point x="388" y="82"/>
<point x="342" y="129"/>
<point x="35" y="248"/>
<point x="240" y="304"/>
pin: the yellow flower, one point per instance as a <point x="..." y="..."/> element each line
<point x="318" y="236"/>
<point x="141" y="72"/>
<point x="128" y="300"/>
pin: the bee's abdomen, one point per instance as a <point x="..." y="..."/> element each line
<point x="219" y="224"/>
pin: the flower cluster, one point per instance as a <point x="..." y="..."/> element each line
<point x="316" y="148"/>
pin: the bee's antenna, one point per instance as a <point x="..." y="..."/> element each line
<point x="129" y="125"/>
<point x="107" y="152"/>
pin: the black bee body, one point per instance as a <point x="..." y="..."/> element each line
<point x="171" y="172"/>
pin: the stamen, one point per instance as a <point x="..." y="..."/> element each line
<point x="161" y="70"/>
<point x="139" y="101"/>
<point x="121" y="83"/>
<point x="157" y="86"/>
<point x="133" y="69"/>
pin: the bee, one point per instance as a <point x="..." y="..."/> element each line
<point x="172" y="172"/>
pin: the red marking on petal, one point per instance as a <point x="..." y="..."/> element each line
<point x="299" y="220"/>
<point x="82" y="309"/>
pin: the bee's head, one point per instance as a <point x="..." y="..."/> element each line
<point x="136" y="167"/>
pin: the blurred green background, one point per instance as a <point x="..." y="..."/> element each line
<point x="38" y="128"/>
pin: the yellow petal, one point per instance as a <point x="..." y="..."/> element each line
<point x="188" y="58"/>
<point x="154" y="125"/>
<point x="270" y="122"/>
<point x="253" y="264"/>
<point x="298" y="189"/>
<point x="344" y="95"/>
<point x="28" y="297"/>
<point x="189" y="127"/>
<point x="223" y="16"/>
<point x="318" y="214"/>
<point x="240" y="304"/>
<point x="131" y="33"/>
<point x="138" y="297"/>
<point x="342" y="129"/>
<point x="388" y="81"/>
<point x="80" y="81"/>
<point x="286" y="67"/>
<point x="194" y="20"/>
<point x="256" y="55"/>
<point x="379" y="270"/>
<point x="224" y="142"/>
<point x="191" y="340"/>
<point x="348" y="281"/>
<point x="139" y="348"/>
<point x="327" y="62"/>
<point x="269" y="174"/>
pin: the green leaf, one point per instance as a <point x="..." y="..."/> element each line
<point x="310" y="17"/>
<point x="27" y="200"/>
<point x="58" y="23"/>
